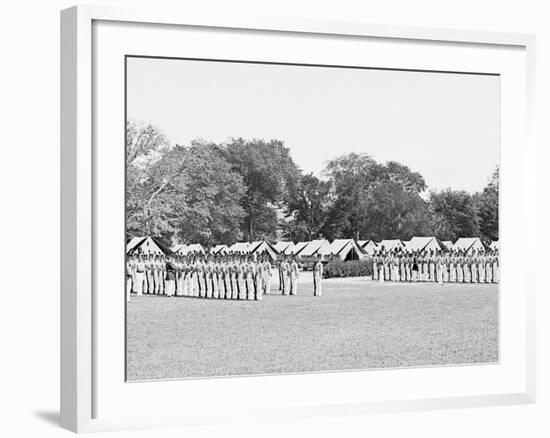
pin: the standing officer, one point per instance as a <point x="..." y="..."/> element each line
<point x="250" y="278"/>
<point x="152" y="281"/>
<point x="267" y="275"/>
<point x="241" y="284"/>
<point x="140" y="274"/>
<point x="440" y="267"/>
<point x="381" y="267"/>
<point x="280" y="271"/>
<point x="133" y="262"/>
<point x="259" y="276"/>
<point x="285" y="267"/>
<point x="294" y="274"/>
<point x="318" y="277"/>
<point x="415" y="267"/>
<point x="234" y="279"/>
<point x="459" y="270"/>
<point x="170" y="278"/>
<point x="129" y="269"/>
<point x="488" y="267"/>
<point x="155" y="270"/>
<point x="431" y="265"/>
<point x="495" y="266"/>
<point x="395" y="267"/>
<point x="481" y="267"/>
<point x="452" y="272"/>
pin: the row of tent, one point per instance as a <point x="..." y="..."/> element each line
<point x="465" y="244"/>
<point x="343" y="249"/>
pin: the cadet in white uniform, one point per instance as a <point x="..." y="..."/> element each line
<point x="381" y="268"/>
<point x="481" y="267"/>
<point x="440" y="267"/>
<point x="250" y="276"/>
<point x="259" y="280"/>
<point x="318" y="277"/>
<point x="495" y="267"/>
<point x="233" y="277"/>
<point x="294" y="274"/>
<point x="140" y="275"/>
<point x="170" y="278"/>
<point x="241" y="279"/>
<point x="162" y="274"/>
<point x="267" y="276"/>
<point x="129" y="269"/>
<point x="431" y="265"/>
<point x="285" y="270"/>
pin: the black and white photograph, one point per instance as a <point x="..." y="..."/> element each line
<point x="295" y="218"/>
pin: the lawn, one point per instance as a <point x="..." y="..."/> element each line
<point x="356" y="324"/>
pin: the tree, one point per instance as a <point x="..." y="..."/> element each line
<point x="144" y="147"/>
<point x="373" y="200"/>
<point x="454" y="214"/>
<point x="209" y="204"/>
<point x="269" y="175"/>
<point x="395" y="212"/>
<point x="487" y="204"/>
<point x="188" y="193"/>
<point x="308" y="208"/>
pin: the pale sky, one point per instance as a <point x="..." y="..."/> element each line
<point x="445" y="126"/>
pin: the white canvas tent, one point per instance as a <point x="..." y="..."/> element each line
<point x="261" y="247"/>
<point x="242" y="247"/>
<point x="220" y="249"/>
<point x="313" y="248"/>
<point x="133" y="242"/>
<point x="147" y="245"/>
<point x="295" y="249"/>
<point x="424" y="244"/>
<point x="345" y="249"/>
<point x="390" y="244"/>
<point x="369" y="246"/>
<point x="494" y="245"/>
<point x="188" y="249"/>
<point x="469" y="244"/>
<point x="448" y="244"/>
<point x="281" y="246"/>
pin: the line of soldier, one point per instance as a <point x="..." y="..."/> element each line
<point x="456" y="266"/>
<point x="236" y="277"/>
<point x="289" y="273"/>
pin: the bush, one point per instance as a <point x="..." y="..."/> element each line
<point x="355" y="268"/>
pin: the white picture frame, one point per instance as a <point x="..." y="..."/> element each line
<point x="81" y="366"/>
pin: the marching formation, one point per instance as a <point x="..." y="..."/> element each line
<point x="238" y="276"/>
<point x="444" y="267"/>
<point x="217" y="277"/>
<point x="229" y="277"/>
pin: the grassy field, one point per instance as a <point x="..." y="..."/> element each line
<point x="356" y="324"/>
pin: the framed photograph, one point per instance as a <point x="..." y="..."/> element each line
<point x="282" y="218"/>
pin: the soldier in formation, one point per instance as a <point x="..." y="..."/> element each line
<point x="234" y="276"/>
<point x="455" y="266"/>
<point x="229" y="277"/>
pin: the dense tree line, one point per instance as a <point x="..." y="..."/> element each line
<point x="244" y="190"/>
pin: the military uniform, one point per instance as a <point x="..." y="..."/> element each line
<point x="294" y="274"/>
<point x="140" y="276"/>
<point x="129" y="269"/>
<point x="259" y="280"/>
<point x="250" y="275"/>
<point x="318" y="279"/>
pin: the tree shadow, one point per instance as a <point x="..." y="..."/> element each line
<point x="51" y="417"/>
